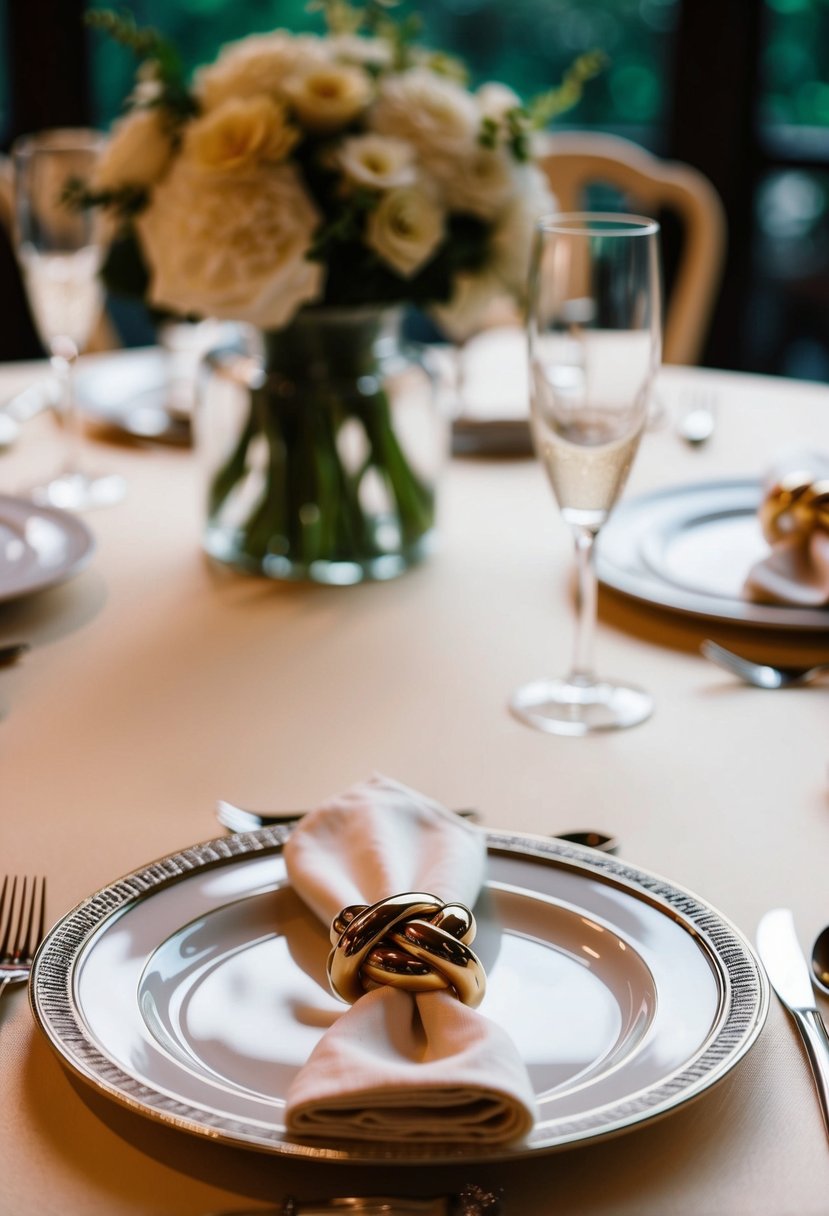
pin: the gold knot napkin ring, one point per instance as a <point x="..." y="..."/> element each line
<point x="795" y="506"/>
<point x="412" y="941"/>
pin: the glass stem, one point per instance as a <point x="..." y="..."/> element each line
<point x="581" y="671"/>
<point x="70" y="421"/>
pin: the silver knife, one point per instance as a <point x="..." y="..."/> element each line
<point x="789" y="976"/>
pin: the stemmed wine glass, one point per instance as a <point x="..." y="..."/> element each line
<point x="59" y="249"/>
<point x="594" y="329"/>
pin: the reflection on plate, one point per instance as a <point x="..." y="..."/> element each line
<point x="39" y="546"/>
<point x="194" y="990"/>
<point x="129" y="392"/>
<point x="689" y="548"/>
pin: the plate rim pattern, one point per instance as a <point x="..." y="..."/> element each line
<point x="744" y="998"/>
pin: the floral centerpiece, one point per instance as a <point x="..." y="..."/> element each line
<point x="297" y="177"/>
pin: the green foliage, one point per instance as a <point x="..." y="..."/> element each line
<point x="163" y="65"/>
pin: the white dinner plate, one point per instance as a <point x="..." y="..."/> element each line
<point x="192" y="991"/>
<point x="39" y="546"/>
<point x="689" y="548"/>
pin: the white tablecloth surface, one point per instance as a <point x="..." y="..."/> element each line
<point x="157" y="683"/>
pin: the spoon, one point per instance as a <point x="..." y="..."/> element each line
<point x="696" y="425"/>
<point x="820" y="961"/>
<point x="761" y="675"/>
<point x="236" y="819"/>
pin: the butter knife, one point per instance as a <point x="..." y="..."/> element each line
<point x="789" y="976"/>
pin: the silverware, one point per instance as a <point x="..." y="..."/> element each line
<point x="11" y="652"/>
<point x="473" y="1200"/>
<point x="236" y="819"/>
<point x="820" y="961"/>
<point x="697" y="417"/>
<point x="789" y="976"/>
<point x="761" y="675"/>
<point x="22" y="926"/>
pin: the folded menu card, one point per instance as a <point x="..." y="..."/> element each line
<point x="398" y="1065"/>
<point x="794" y="516"/>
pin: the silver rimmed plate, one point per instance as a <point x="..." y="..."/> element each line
<point x="689" y="548"/>
<point x="192" y="992"/>
<point x="39" y="547"/>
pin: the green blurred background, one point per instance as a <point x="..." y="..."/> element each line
<point x="778" y="317"/>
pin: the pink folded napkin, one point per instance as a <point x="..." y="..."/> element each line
<point x="396" y="1065"/>
<point x="794" y="516"/>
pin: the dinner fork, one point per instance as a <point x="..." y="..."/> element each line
<point x="22" y="926"/>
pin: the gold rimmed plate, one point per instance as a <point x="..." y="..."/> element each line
<point x="193" y="990"/>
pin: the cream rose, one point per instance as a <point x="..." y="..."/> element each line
<point x="240" y="133"/>
<point x="137" y="153"/>
<point x="496" y="100"/>
<point x="405" y="229"/>
<point x="231" y="246"/>
<point x="479" y="183"/>
<point x="327" y="97"/>
<point x="475" y="299"/>
<point x="257" y="64"/>
<point x="437" y="116"/>
<point x="512" y="238"/>
<point x="379" y="162"/>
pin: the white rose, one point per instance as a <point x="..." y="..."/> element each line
<point x="378" y="162"/>
<point x="437" y="116"/>
<point x="368" y="52"/>
<point x="327" y="97"/>
<point x="258" y="64"/>
<point x="405" y="229"/>
<point x="231" y="246"/>
<point x="479" y="183"/>
<point x="137" y="153"/>
<point x="475" y="297"/>
<point x="496" y="100"/>
<point x="514" y="230"/>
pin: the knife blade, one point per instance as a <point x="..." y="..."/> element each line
<point x="789" y="976"/>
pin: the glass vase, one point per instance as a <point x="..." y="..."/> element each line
<point x="321" y="445"/>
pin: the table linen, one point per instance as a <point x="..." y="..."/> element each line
<point x="157" y="683"/>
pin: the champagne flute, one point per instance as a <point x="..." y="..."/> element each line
<point x="60" y="252"/>
<point x="594" y="330"/>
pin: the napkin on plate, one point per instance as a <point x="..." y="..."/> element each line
<point x="396" y="1065"/>
<point x="794" y="516"/>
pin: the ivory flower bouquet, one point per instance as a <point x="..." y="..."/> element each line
<point x="299" y="174"/>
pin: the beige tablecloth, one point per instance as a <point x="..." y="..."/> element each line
<point x="158" y="683"/>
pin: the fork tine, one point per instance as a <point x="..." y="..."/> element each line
<point x="7" y="914"/>
<point x="30" y="910"/>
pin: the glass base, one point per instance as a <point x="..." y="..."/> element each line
<point x="77" y="491"/>
<point x="565" y="707"/>
<point x="226" y="545"/>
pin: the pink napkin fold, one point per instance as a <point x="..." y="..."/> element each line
<point x="796" y="571"/>
<point x="395" y="1065"/>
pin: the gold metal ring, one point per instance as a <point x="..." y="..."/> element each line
<point x="795" y="506"/>
<point x="412" y="941"/>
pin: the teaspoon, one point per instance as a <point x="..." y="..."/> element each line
<point x="761" y="675"/>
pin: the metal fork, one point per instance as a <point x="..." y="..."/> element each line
<point x="22" y="926"/>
